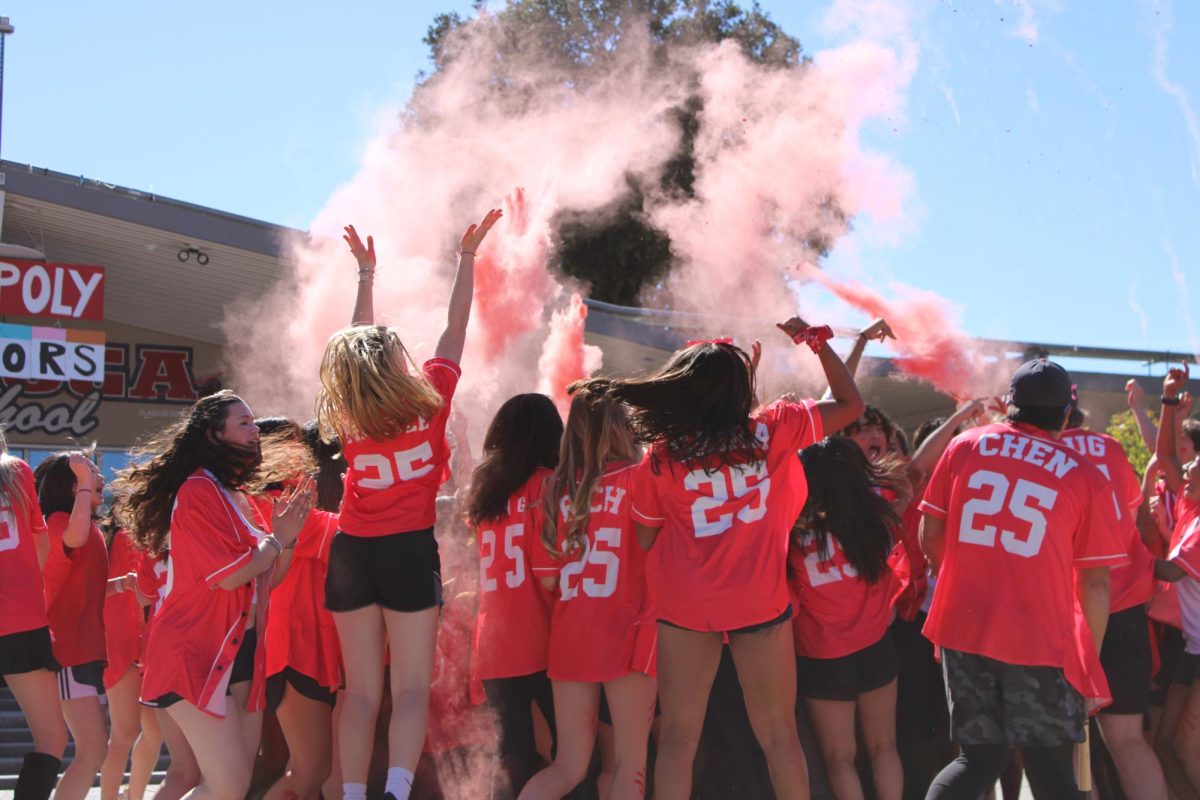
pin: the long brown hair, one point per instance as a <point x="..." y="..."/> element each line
<point x="525" y="434"/>
<point x="370" y="386"/>
<point x="10" y="482"/>
<point x="146" y="491"/>
<point x="697" y="405"/>
<point x="597" y="433"/>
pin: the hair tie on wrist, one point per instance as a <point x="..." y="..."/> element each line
<point x="466" y="253"/>
<point x="815" y="337"/>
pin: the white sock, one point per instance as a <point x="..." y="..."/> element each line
<point x="399" y="783"/>
<point x="354" y="791"/>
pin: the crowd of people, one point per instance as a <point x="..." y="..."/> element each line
<point x="681" y="590"/>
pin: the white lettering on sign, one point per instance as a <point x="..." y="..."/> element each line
<point x="36" y="288"/>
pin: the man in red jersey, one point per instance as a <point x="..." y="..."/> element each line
<point x="1021" y="531"/>
<point x="1125" y="654"/>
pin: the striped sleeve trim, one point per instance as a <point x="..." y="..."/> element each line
<point x="932" y="510"/>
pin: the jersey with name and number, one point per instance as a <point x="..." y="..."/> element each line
<point x="1021" y="512"/>
<point x="720" y="560"/>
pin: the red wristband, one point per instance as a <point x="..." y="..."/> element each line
<point x="815" y="337"/>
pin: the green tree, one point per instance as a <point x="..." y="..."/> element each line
<point x="617" y="252"/>
<point x="1123" y="427"/>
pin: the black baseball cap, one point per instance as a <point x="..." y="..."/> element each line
<point x="1041" y="383"/>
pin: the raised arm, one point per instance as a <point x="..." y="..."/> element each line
<point x="1166" y="450"/>
<point x="935" y="444"/>
<point x="364" y="300"/>
<point x="1134" y="397"/>
<point x="80" y="523"/>
<point x="879" y="329"/>
<point x="845" y="404"/>
<point x="450" y="345"/>
<point x="287" y="519"/>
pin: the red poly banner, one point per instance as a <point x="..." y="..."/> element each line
<point x="41" y="289"/>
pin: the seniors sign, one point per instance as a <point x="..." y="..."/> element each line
<point x="51" y="353"/>
<point x="41" y="289"/>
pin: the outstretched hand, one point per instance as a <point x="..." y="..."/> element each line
<point x="792" y="326"/>
<point x="476" y="233"/>
<point x="877" y="330"/>
<point x="1134" y="395"/>
<point x="1175" y="381"/>
<point x="364" y="255"/>
<point x="755" y="355"/>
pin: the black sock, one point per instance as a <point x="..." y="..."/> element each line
<point x="39" y="774"/>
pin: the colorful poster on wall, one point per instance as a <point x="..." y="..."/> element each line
<point x="41" y="289"/>
<point x="51" y="353"/>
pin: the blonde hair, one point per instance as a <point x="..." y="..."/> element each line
<point x="370" y="386"/>
<point x="597" y="432"/>
<point x="10" y="482"/>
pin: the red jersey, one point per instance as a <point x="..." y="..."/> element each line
<point x="603" y="623"/>
<point x="1132" y="584"/>
<point x="1022" y="512"/>
<point x="1165" y="606"/>
<point x="1186" y="554"/>
<point x="720" y="559"/>
<point x="917" y="588"/>
<point x="837" y="612"/>
<point x="391" y="486"/>
<point x="76" y="581"/>
<point x="22" y="592"/>
<point x="512" y="628"/>
<point x="123" y="615"/>
<point x="196" y="633"/>
<point x="300" y="630"/>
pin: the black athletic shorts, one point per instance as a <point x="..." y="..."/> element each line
<point x="243" y="662"/>
<point x="1187" y="670"/>
<point x="277" y="685"/>
<point x="755" y="628"/>
<point x="1125" y="656"/>
<point x="992" y="702"/>
<point x="845" y="678"/>
<point x="26" y="651"/>
<point x="399" y="572"/>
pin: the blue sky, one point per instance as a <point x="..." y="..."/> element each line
<point x="1057" y="168"/>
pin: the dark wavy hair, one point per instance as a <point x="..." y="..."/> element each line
<point x="56" y="481"/>
<point x="697" y="406"/>
<point x="1047" y="418"/>
<point x="524" y="435"/>
<point x="844" y="503"/>
<point x="146" y="491"/>
<point x="331" y="466"/>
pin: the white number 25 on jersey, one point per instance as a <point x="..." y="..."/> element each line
<point x="1026" y="502"/>
<point x="742" y="480"/>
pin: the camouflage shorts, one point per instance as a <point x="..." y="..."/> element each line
<point x="996" y="703"/>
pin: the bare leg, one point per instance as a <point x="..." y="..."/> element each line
<point x="145" y="753"/>
<point x="834" y="724"/>
<point x="37" y="695"/>
<point x="412" y="638"/>
<point x="306" y="727"/>
<point x="124" y="713"/>
<point x="89" y="729"/>
<point x="332" y="788"/>
<point x="877" y="712"/>
<point x="1164" y="745"/>
<point x="219" y="749"/>
<point x="766" y="666"/>
<point x="1138" y="767"/>
<point x="362" y="635"/>
<point x="183" y="772"/>
<point x="687" y="665"/>
<point x="631" y="704"/>
<point x="1187" y="736"/>
<point x="576" y="709"/>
